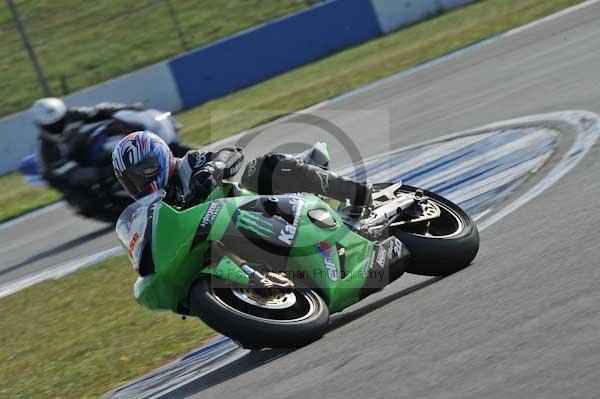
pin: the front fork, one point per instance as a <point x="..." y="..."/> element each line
<point x="243" y="272"/>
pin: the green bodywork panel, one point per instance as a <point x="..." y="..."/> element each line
<point x="179" y="260"/>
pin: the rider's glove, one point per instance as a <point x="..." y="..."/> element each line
<point x="203" y="182"/>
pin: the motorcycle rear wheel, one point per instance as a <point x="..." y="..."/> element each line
<point x="442" y="246"/>
<point x="260" y="319"/>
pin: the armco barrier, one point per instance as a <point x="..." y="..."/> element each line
<point x="237" y="61"/>
<point x="277" y="46"/>
<point x="18" y="137"/>
<point x="154" y="86"/>
<point x="394" y="14"/>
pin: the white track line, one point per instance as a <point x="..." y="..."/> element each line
<point x="497" y="180"/>
<point x="498" y="153"/>
<point x="551" y="17"/>
<point x="57" y="272"/>
<point x="587" y="135"/>
<point x="426" y="157"/>
<point x="31" y="215"/>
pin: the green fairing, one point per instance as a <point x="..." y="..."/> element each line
<point x="178" y="262"/>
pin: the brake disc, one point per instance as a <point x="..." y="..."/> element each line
<point x="277" y="299"/>
<point x="429" y="210"/>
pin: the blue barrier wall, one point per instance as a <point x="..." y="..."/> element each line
<point x="259" y="53"/>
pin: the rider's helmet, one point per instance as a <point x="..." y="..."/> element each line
<point x="143" y="163"/>
<point x="49" y="113"/>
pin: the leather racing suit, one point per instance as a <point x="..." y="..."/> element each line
<point x="200" y="171"/>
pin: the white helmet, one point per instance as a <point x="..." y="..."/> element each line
<point x="47" y="111"/>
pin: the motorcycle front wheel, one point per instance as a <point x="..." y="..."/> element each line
<point x="260" y="317"/>
<point x="439" y="246"/>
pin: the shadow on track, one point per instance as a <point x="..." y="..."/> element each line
<point x="60" y="248"/>
<point x="252" y="360"/>
<point x="255" y="359"/>
<point x="343" y="318"/>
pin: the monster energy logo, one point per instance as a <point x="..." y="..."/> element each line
<point x="253" y="223"/>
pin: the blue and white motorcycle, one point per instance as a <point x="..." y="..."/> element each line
<point x="105" y="200"/>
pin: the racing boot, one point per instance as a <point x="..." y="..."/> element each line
<point x="363" y="203"/>
<point x="316" y="155"/>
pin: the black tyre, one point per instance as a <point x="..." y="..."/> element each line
<point x="443" y="245"/>
<point x="261" y="318"/>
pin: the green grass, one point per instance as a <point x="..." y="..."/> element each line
<point x="17" y="198"/>
<point x="88" y="42"/>
<point x="82" y="335"/>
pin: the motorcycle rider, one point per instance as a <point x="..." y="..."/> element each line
<point x="144" y="164"/>
<point x="63" y="144"/>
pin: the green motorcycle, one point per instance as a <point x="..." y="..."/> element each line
<point x="268" y="271"/>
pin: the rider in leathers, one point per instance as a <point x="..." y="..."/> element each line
<point x="144" y="165"/>
<point x="63" y="144"/>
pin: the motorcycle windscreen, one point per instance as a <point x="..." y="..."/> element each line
<point x="133" y="228"/>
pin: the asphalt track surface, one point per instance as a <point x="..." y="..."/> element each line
<point x="522" y="321"/>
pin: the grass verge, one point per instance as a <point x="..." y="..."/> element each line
<point x="81" y="43"/>
<point x="82" y="335"/>
<point x="17" y="198"/>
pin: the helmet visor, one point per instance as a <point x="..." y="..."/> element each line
<point x="54" y="128"/>
<point x="138" y="178"/>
